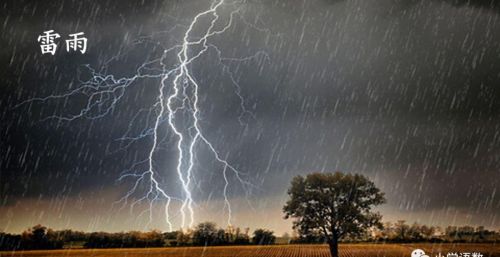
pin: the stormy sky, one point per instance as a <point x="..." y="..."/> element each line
<point x="405" y="92"/>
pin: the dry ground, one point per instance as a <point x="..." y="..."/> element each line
<point x="346" y="250"/>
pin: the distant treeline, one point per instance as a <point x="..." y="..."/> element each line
<point x="401" y="232"/>
<point x="38" y="237"/>
<point x="205" y="234"/>
<point x="208" y="234"/>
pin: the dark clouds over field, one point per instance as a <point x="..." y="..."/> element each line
<point x="405" y="92"/>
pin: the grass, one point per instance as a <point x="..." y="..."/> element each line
<point x="346" y="250"/>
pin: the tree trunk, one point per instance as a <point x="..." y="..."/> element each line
<point x="334" y="248"/>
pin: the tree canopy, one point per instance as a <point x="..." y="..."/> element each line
<point x="333" y="204"/>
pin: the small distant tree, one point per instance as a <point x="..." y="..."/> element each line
<point x="263" y="237"/>
<point x="170" y="235"/>
<point x="153" y="238"/>
<point x="39" y="237"/>
<point x="205" y="234"/>
<point x="402" y="230"/>
<point x="242" y="238"/>
<point x="427" y="231"/>
<point x="183" y="238"/>
<point x="220" y="238"/>
<point x="335" y="205"/>
<point x="415" y="233"/>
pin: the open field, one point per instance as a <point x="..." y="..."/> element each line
<point x="346" y="250"/>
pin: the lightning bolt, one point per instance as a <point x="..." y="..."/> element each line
<point x="177" y="107"/>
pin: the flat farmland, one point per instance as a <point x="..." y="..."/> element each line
<point x="346" y="250"/>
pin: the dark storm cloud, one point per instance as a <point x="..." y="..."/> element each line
<point x="403" y="91"/>
<point x="486" y="4"/>
<point x="407" y="96"/>
<point x="47" y="158"/>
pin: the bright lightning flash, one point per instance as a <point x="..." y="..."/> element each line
<point x="177" y="104"/>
